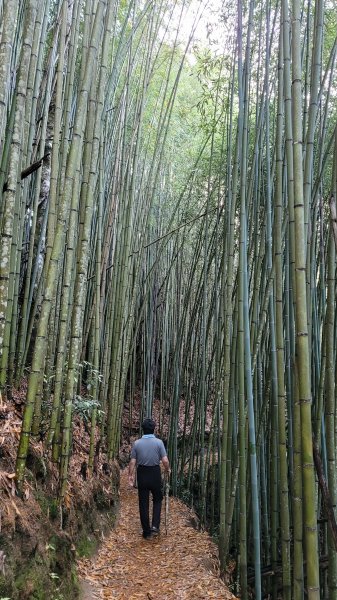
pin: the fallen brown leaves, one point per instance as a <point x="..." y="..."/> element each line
<point x="182" y="565"/>
<point x="42" y="474"/>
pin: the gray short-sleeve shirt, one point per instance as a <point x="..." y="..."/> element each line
<point x="148" y="451"/>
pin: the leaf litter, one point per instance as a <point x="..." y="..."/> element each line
<point x="181" y="565"/>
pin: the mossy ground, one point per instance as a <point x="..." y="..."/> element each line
<point x="86" y="546"/>
<point x="40" y="581"/>
<point x="48" y="571"/>
<point x="42" y="542"/>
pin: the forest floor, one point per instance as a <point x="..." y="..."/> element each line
<point x="37" y="555"/>
<point x="180" y="565"/>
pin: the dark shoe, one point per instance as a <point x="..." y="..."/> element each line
<point x="147" y="536"/>
<point x="155" y="531"/>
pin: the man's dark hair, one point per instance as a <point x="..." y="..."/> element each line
<point x="148" y="426"/>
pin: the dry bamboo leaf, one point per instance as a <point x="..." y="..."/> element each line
<point x="16" y="508"/>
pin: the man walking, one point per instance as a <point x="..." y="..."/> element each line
<point x="146" y="454"/>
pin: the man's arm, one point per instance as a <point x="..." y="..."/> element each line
<point x="132" y="467"/>
<point x="166" y="464"/>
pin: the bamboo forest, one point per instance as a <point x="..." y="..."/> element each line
<point x="168" y="243"/>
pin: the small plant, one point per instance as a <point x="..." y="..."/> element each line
<point x="92" y="376"/>
<point x="83" y="406"/>
<point x="50" y="547"/>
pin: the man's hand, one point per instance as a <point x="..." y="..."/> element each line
<point x="132" y="468"/>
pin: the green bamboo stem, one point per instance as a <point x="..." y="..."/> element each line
<point x="15" y="163"/>
<point x="302" y="351"/>
<point x="51" y="281"/>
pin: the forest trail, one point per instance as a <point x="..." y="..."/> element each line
<point x="180" y="565"/>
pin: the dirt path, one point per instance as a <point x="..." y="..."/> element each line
<point x="180" y="565"/>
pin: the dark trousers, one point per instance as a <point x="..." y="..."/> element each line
<point x="149" y="480"/>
